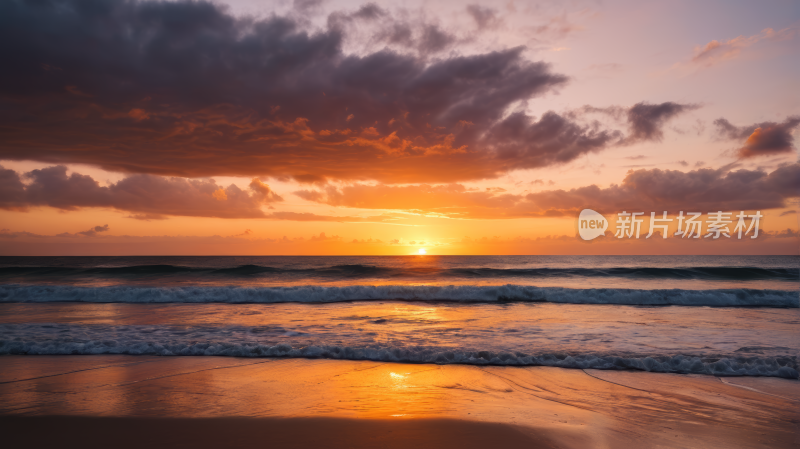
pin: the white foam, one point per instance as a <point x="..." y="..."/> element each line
<point x="725" y="366"/>
<point x="460" y="293"/>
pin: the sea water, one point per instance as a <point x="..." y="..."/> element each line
<point x="716" y="315"/>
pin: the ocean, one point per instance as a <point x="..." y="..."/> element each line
<point x="714" y="315"/>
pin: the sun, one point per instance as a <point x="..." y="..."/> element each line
<point x="422" y="251"/>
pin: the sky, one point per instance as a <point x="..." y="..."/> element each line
<point x="344" y="127"/>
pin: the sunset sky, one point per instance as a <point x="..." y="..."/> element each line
<point x="344" y="127"/>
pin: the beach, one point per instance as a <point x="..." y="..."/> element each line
<point x="213" y="401"/>
<point x="429" y="352"/>
<point x="414" y="225"/>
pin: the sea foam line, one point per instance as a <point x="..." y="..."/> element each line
<point x="724" y="366"/>
<point x="458" y="293"/>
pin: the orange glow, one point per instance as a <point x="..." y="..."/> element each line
<point x="354" y="162"/>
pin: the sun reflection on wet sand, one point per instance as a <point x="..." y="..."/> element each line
<point x="586" y="406"/>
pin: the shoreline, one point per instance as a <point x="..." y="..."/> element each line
<point x="705" y="359"/>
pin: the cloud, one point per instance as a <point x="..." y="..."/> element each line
<point x="784" y="234"/>
<point x="306" y="6"/>
<point x="556" y="27"/>
<point x="151" y="197"/>
<point x="646" y="120"/>
<point x="716" y="51"/>
<point x="186" y="89"/>
<point x="698" y="190"/>
<point x="553" y="139"/>
<point x="8" y="234"/>
<point x="450" y="199"/>
<point x="434" y="39"/>
<point x="307" y="216"/>
<point x="484" y="17"/>
<point x="642" y="190"/>
<point x="761" y="139"/>
<point x="324" y="238"/>
<point x="147" y="217"/>
<point x="549" y="182"/>
<point x="788" y="212"/>
<point x="93" y="231"/>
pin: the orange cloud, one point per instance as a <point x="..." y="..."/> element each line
<point x="655" y="189"/>
<point x="761" y="139"/>
<point x="716" y="51"/>
<point x="151" y="197"/>
<point x="220" y="194"/>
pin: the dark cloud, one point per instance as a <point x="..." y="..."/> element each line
<point x="646" y="120"/>
<point x="700" y="190"/>
<point x="152" y="197"/>
<point x="643" y="190"/>
<point x="434" y="39"/>
<point x="94" y="231"/>
<point x="13" y="190"/>
<point x="370" y="11"/>
<point x="761" y="139"/>
<point x="306" y="6"/>
<point x="91" y="232"/>
<point x="553" y="139"/>
<point x="484" y="17"/>
<point x="186" y="89"/>
<point x="398" y="33"/>
<point x="7" y="234"/>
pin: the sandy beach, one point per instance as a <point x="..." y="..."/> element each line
<point x="212" y="402"/>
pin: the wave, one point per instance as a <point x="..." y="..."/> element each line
<point x="705" y="273"/>
<point x="684" y="364"/>
<point x="457" y="293"/>
<point x="361" y="270"/>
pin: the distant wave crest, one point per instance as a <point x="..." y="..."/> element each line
<point x="459" y="293"/>
<point x="361" y="270"/>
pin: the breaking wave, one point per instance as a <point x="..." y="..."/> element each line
<point x="785" y="367"/>
<point x="458" y="293"/>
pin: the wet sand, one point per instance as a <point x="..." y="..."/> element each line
<point x="142" y="401"/>
<point x="137" y="433"/>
